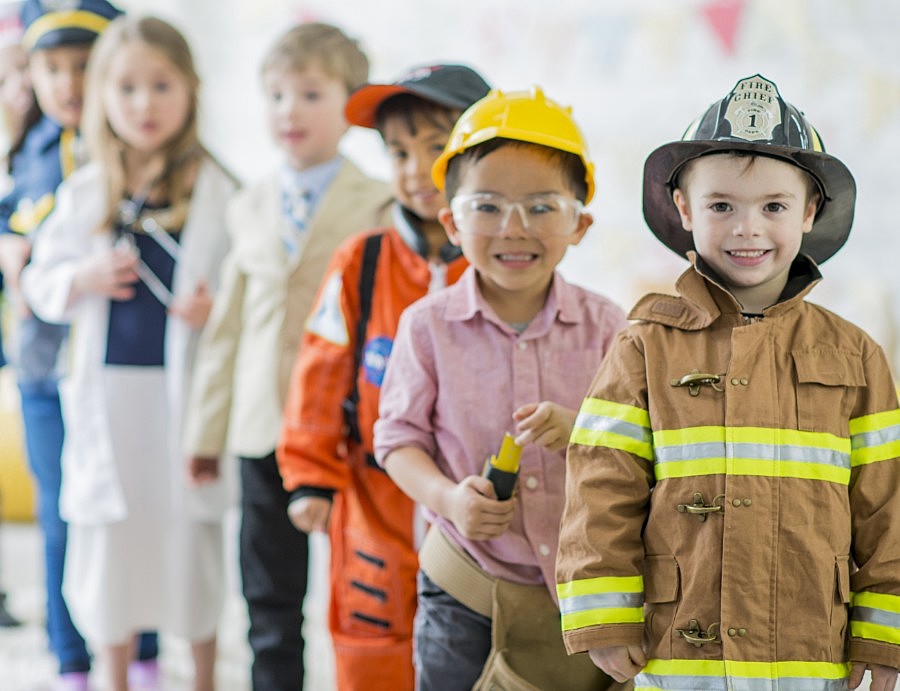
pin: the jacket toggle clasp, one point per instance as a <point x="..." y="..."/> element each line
<point x="695" y="379"/>
<point x="701" y="509"/>
<point x="697" y="636"/>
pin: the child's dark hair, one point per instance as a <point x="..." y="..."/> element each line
<point x="572" y="166"/>
<point x="408" y="106"/>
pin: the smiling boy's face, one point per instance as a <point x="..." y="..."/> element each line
<point x="748" y="216"/>
<point x="413" y="145"/>
<point x="515" y="266"/>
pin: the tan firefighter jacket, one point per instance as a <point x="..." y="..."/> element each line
<point x="733" y="495"/>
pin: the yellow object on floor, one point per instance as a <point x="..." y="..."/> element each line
<point x="17" y="491"/>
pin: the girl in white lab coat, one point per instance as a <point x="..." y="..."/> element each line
<point x="129" y="257"/>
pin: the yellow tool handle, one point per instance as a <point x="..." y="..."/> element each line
<point x="508" y="458"/>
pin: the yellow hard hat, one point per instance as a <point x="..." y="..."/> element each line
<point x="525" y="116"/>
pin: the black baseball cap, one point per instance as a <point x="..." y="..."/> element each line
<point x="452" y="86"/>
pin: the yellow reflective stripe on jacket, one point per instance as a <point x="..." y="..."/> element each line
<point x="615" y="426"/>
<point x="758" y="451"/>
<point x="603" y="600"/>
<point x="730" y="675"/>
<point x="875" y="616"/>
<point x="875" y="437"/>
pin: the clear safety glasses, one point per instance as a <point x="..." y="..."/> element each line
<point x="541" y="215"/>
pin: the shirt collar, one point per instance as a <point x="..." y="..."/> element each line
<point x="562" y="305"/>
<point x="313" y="181"/>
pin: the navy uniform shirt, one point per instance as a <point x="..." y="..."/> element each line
<point x="46" y="157"/>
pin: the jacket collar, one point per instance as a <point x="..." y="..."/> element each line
<point x="702" y="298"/>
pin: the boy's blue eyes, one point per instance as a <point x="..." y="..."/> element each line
<point x="160" y="87"/>
<point x="722" y="207"/>
<point x="278" y="96"/>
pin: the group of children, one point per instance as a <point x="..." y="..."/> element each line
<point x="704" y="499"/>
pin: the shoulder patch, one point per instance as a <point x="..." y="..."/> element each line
<point x="327" y="319"/>
<point x="671" y="308"/>
<point x="29" y="213"/>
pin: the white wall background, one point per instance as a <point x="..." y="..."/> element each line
<point x="636" y="72"/>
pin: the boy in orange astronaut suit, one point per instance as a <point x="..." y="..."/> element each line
<point x="325" y="452"/>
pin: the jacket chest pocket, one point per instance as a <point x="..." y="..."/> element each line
<point x="825" y="382"/>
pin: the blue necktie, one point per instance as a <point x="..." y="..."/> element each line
<point x="295" y="204"/>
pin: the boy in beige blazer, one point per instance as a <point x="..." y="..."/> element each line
<point x="283" y="232"/>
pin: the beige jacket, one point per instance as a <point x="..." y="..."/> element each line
<point x="250" y="341"/>
<point x="743" y="518"/>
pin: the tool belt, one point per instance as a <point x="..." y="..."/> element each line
<point x="527" y="651"/>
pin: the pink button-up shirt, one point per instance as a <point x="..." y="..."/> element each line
<point x="456" y="374"/>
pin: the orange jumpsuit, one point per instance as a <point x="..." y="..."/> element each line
<point x="373" y="555"/>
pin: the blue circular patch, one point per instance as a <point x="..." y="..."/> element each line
<point x="375" y="358"/>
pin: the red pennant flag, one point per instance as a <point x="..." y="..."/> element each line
<point x="724" y="17"/>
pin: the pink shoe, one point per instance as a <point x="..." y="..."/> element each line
<point x="143" y="675"/>
<point x="71" y="681"/>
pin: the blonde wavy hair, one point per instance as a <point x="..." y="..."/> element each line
<point x="105" y="147"/>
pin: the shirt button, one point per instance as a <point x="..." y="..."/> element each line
<point x="544" y="550"/>
<point x="522" y="345"/>
<point x="531" y="482"/>
<point x="732" y="632"/>
<point x="735" y="502"/>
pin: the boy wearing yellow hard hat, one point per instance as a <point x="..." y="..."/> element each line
<point x="502" y="350"/>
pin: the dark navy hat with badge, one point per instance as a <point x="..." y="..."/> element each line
<point x="754" y="118"/>
<point x="53" y="23"/>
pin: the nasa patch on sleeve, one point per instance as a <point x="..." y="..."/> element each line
<point x="375" y="358"/>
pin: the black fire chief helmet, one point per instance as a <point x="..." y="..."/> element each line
<point x="754" y="118"/>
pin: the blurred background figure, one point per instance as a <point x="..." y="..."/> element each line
<point x="16" y="96"/>
<point x="16" y="101"/>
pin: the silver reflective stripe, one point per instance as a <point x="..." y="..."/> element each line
<point x="885" y="435"/>
<point x="766" y="452"/>
<point x="786" y="684"/>
<point x="600" y="423"/>
<point x="689" y="452"/>
<point x="584" y="603"/>
<point x="671" y="682"/>
<point x="876" y="616"/>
